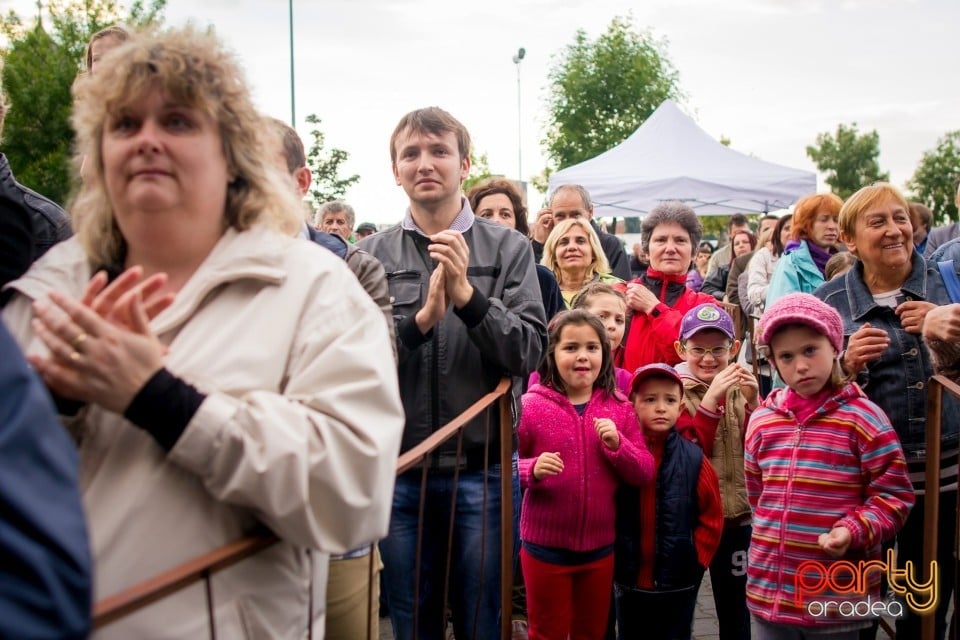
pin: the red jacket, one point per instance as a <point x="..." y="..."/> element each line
<point x="652" y="335"/>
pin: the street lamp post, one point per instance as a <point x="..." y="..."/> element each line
<point x="516" y="60"/>
<point x="293" y="101"/>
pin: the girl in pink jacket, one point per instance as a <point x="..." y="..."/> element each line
<point x="578" y="440"/>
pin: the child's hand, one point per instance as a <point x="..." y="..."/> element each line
<point x="720" y="385"/>
<point x="607" y="432"/>
<point x="548" y="464"/>
<point x="749" y="387"/>
<point x="836" y="542"/>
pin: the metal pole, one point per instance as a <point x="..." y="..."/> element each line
<point x="519" y="134"/>
<point x="521" y="52"/>
<point x="293" y="101"/>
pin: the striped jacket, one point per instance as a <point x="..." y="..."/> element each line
<point x="843" y="467"/>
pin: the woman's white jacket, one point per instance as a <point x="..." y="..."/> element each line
<point x="299" y="432"/>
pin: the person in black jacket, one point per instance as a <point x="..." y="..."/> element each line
<point x="29" y="223"/>
<point x="573" y="201"/>
<point x="467" y="312"/>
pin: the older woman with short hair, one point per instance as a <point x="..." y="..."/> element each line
<point x="498" y="201"/>
<point x="574" y="254"/>
<point x="883" y="300"/>
<point x="260" y="397"/>
<point x="813" y="239"/>
<point x="658" y="299"/>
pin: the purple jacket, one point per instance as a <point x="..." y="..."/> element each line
<point x="575" y="510"/>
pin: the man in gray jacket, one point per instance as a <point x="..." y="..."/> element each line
<point x="468" y="312"/>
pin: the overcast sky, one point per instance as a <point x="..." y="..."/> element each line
<point x="768" y="74"/>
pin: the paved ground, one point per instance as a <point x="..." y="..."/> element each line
<point x="704" y="619"/>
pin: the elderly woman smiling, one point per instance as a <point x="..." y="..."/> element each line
<point x="574" y="254"/>
<point x="259" y="396"/>
<point x="883" y="301"/>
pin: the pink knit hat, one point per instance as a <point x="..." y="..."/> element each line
<point x="805" y="309"/>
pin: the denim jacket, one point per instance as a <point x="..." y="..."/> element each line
<point x="897" y="381"/>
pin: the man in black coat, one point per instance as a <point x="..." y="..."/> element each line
<point x="573" y="201"/>
<point x="29" y="223"/>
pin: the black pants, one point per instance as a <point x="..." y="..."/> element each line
<point x="910" y="547"/>
<point x="728" y="575"/>
<point x="655" y="615"/>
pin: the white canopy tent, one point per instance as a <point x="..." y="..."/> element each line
<point x="669" y="157"/>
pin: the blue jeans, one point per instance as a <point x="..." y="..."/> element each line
<point x="474" y="574"/>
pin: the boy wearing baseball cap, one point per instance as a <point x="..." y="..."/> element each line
<point x="719" y="396"/>
<point x="668" y="530"/>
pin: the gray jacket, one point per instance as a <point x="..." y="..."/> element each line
<point x="939" y="236"/>
<point x="500" y="332"/>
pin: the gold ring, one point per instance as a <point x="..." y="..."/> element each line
<point x="75" y="356"/>
<point x="79" y="340"/>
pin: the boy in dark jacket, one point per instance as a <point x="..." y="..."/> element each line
<point x="667" y="531"/>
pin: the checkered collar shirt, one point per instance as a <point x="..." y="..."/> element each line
<point x="461" y="223"/>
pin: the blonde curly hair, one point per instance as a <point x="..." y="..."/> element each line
<point x="191" y="68"/>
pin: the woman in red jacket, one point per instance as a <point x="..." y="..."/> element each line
<point x="658" y="299"/>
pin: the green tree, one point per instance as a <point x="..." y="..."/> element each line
<point x="479" y="170"/>
<point x="848" y="158"/>
<point x="325" y="167"/>
<point x="934" y="183"/>
<point x="42" y="57"/>
<point x="602" y="90"/>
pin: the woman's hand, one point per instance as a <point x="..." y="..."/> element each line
<point x="865" y="345"/>
<point x="91" y="358"/>
<point x="836" y="542"/>
<point x="607" y="431"/>
<point x="943" y="323"/>
<point x="547" y="464"/>
<point x="912" y="314"/>
<point x="112" y="301"/>
<point x="641" y="299"/>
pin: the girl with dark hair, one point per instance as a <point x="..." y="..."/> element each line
<point x="698" y="272"/>
<point x="573" y="424"/>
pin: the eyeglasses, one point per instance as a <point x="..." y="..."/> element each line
<point x="700" y="352"/>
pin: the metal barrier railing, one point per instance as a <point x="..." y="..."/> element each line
<point x="143" y="594"/>
<point x="931" y="515"/>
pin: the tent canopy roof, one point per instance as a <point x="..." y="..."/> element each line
<point x="669" y="157"/>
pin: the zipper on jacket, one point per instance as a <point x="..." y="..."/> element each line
<point x="584" y="475"/>
<point x="435" y="380"/>
<point x="783" y="515"/>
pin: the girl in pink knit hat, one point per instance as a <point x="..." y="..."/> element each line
<point x="579" y="440"/>
<point x="827" y="482"/>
